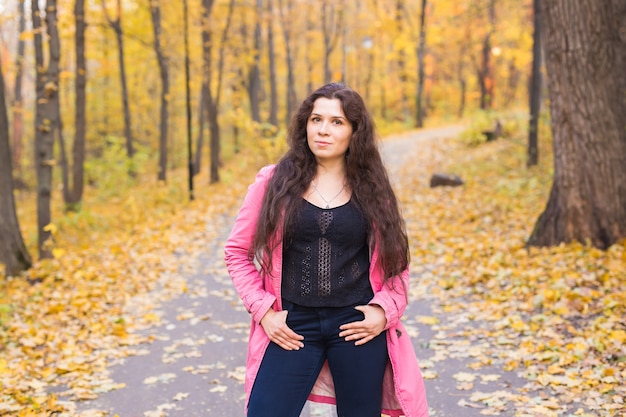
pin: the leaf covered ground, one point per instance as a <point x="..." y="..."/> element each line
<point x="554" y="316"/>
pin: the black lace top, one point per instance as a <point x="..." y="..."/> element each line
<point x="326" y="261"/>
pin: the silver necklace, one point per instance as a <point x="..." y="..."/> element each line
<point x="322" y="197"/>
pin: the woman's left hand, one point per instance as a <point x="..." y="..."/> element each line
<point x="365" y="330"/>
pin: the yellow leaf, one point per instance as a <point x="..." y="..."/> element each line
<point x="519" y="326"/>
<point x="119" y="329"/>
<point x="429" y="320"/>
<point x="618" y="335"/>
<point x="555" y="369"/>
<point x="50" y="228"/>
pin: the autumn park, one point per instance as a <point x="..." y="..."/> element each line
<point x="131" y="129"/>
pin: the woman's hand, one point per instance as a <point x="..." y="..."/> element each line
<point x="275" y="325"/>
<point x="365" y="330"/>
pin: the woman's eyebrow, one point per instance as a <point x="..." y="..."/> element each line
<point x="332" y="117"/>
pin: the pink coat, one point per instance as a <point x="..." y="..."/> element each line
<point x="403" y="386"/>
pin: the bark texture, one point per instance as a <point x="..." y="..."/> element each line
<point x="46" y="113"/>
<point x="13" y="253"/>
<point x="155" y="13"/>
<point x="535" y="89"/>
<point x="585" y="54"/>
<point x="420" y="52"/>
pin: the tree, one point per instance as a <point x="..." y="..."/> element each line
<point x="155" y="13"/>
<point x="46" y="113"/>
<point x="400" y="11"/>
<point x="585" y="55"/>
<point x="211" y="96"/>
<point x="332" y="21"/>
<point x="285" y="12"/>
<point x="13" y="253"/>
<point x="535" y="89"/>
<point x="485" y="71"/>
<point x="116" y="25"/>
<point x="419" y="122"/>
<point x="72" y="194"/>
<point x="254" y="74"/>
<point x="271" y="58"/>
<point x="18" y="108"/>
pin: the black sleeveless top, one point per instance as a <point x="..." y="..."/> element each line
<point x="326" y="261"/>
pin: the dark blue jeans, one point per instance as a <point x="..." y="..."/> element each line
<point x="286" y="377"/>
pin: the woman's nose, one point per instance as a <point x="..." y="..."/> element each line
<point x="323" y="128"/>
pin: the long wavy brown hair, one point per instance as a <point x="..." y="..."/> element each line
<point x="366" y="177"/>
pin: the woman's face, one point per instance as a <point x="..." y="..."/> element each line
<point x="328" y="131"/>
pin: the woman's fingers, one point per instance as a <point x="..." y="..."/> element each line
<point x="363" y="331"/>
<point x="275" y="325"/>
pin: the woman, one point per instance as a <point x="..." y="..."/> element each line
<point x="324" y="228"/>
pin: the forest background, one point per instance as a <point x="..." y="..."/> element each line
<point x="113" y="105"/>
<point x="122" y="106"/>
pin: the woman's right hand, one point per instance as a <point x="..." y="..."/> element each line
<point x="275" y="325"/>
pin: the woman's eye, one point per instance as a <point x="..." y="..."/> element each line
<point x="337" y="122"/>
<point x="315" y="119"/>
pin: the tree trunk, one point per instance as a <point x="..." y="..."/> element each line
<point x="332" y="20"/>
<point x="78" y="150"/>
<point x="206" y="95"/>
<point x="47" y="85"/>
<point x="585" y="53"/>
<point x="535" y="89"/>
<point x="18" y="108"/>
<point x="402" y="61"/>
<point x="287" y="32"/>
<point x="254" y="76"/>
<point x="419" y="118"/>
<point x="214" y="130"/>
<point x="485" y="73"/>
<point x="155" y="13"/>
<point x="72" y="193"/>
<point x="271" y="57"/>
<point x="310" y="27"/>
<point x="209" y="104"/>
<point x="116" y="25"/>
<point x="13" y="252"/>
<point x="197" y="164"/>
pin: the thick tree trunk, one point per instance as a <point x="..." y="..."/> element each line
<point x="155" y="13"/>
<point x="13" y="253"/>
<point x="18" y="107"/>
<point x="419" y="117"/>
<point x="47" y="85"/>
<point x="535" y="89"/>
<point x="585" y="53"/>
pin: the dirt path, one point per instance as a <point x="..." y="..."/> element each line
<point x="195" y="364"/>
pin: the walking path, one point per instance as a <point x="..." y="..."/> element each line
<point x="194" y="365"/>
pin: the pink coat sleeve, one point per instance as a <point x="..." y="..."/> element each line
<point x="392" y="296"/>
<point x="246" y="277"/>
